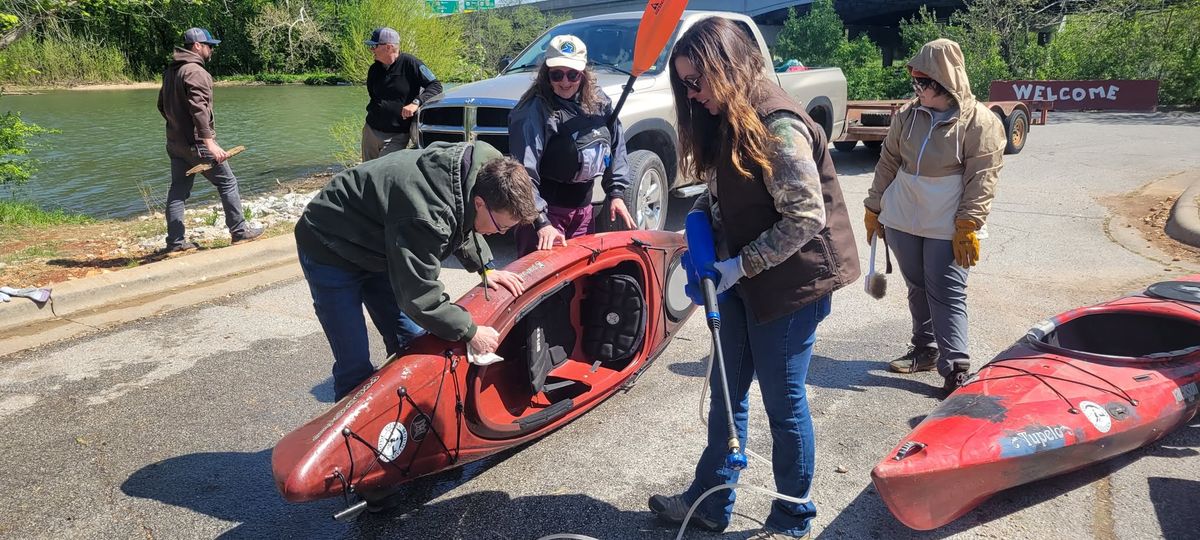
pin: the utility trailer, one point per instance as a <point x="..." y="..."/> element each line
<point x="868" y="121"/>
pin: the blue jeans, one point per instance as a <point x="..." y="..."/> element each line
<point x="937" y="295"/>
<point x="778" y="352"/>
<point x="338" y="297"/>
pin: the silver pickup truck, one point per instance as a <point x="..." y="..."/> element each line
<point x="479" y="110"/>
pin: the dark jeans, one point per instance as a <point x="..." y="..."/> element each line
<point x="937" y="295"/>
<point x="221" y="178"/>
<point x="338" y="298"/>
<point x="572" y="222"/>
<point x="778" y="352"/>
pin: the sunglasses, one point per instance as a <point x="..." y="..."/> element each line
<point x="921" y="83"/>
<point x="557" y="75"/>
<point x="692" y="83"/>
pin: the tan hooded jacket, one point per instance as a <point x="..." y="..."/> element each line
<point x="931" y="174"/>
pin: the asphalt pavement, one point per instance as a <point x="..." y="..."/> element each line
<point x="163" y="427"/>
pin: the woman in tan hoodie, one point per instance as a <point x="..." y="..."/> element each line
<point x="930" y="198"/>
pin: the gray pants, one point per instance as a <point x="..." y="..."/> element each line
<point x="377" y="143"/>
<point x="221" y="178"/>
<point x="937" y="295"/>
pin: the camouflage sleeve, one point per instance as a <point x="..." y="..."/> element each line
<point x="795" y="186"/>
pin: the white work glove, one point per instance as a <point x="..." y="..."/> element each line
<point x="731" y="272"/>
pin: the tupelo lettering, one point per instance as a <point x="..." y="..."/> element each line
<point x="1041" y="92"/>
<point x="1039" y="438"/>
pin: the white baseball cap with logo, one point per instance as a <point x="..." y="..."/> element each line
<point x="566" y="51"/>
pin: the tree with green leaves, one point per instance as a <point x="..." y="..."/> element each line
<point x="437" y="41"/>
<point x="813" y="39"/>
<point x="492" y="35"/>
<point x="16" y="138"/>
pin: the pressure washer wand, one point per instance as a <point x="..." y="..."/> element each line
<point x="736" y="459"/>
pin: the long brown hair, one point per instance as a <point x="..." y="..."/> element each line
<point x="590" y="98"/>
<point x="732" y="68"/>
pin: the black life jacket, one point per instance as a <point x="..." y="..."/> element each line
<point x="579" y="150"/>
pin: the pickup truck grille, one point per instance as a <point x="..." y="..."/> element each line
<point x="469" y="120"/>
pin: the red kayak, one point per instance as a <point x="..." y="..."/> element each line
<point x="594" y="315"/>
<point x="1082" y="387"/>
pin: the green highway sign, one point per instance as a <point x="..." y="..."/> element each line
<point x="471" y="5"/>
<point x="443" y="6"/>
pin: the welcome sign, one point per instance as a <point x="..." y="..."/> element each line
<point x="1116" y="95"/>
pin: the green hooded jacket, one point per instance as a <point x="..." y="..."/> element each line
<point x="404" y="213"/>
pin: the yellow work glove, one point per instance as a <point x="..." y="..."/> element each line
<point x="966" y="244"/>
<point x="871" y="219"/>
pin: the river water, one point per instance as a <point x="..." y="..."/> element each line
<point x="112" y="142"/>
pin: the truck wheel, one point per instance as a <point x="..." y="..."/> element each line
<point x="646" y="197"/>
<point x="873" y="146"/>
<point x="845" y="146"/>
<point x="1016" y="130"/>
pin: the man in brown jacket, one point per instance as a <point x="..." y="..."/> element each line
<point x="186" y="102"/>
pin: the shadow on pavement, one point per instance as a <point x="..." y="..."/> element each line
<point x="238" y="487"/>
<point x="861" y="160"/>
<point x="1175" y="502"/>
<point x="868" y="517"/>
<point x="856" y="375"/>
<point x="323" y="391"/>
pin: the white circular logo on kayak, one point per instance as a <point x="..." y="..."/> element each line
<point x="1096" y="415"/>
<point x="392" y="440"/>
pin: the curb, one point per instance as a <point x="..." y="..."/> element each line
<point x="1184" y="222"/>
<point x="122" y="287"/>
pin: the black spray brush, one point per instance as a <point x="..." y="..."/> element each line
<point x="876" y="283"/>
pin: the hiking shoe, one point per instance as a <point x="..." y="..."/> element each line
<point x="768" y="534"/>
<point x="957" y="378"/>
<point x="673" y="509"/>
<point x="916" y="359"/>
<point x="180" y="247"/>
<point x="247" y="235"/>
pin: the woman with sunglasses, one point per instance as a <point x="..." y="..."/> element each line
<point x="559" y="131"/>
<point x="784" y="242"/>
<point x="933" y="188"/>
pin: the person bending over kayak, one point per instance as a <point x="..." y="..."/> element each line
<point x="376" y="234"/>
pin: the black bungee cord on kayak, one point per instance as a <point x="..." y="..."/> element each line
<point x="348" y="481"/>
<point x="1119" y="392"/>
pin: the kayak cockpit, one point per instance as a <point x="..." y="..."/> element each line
<point x="573" y="344"/>
<point x="1127" y="335"/>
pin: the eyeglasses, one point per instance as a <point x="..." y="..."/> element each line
<point x="692" y="82"/>
<point x="557" y="75"/>
<point x="921" y="83"/>
<point x="499" y="229"/>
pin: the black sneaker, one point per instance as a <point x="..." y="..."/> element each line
<point x="247" y="235"/>
<point x="959" y="370"/>
<point x="916" y="359"/>
<point x="181" y="247"/>
<point x="673" y="509"/>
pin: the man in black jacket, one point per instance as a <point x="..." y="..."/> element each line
<point x="376" y="235"/>
<point x="398" y="84"/>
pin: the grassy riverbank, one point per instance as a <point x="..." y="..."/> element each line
<point x="45" y="247"/>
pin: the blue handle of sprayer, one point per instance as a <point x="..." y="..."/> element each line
<point x="736" y="460"/>
<point x="701" y="247"/>
<point x="699" y="263"/>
